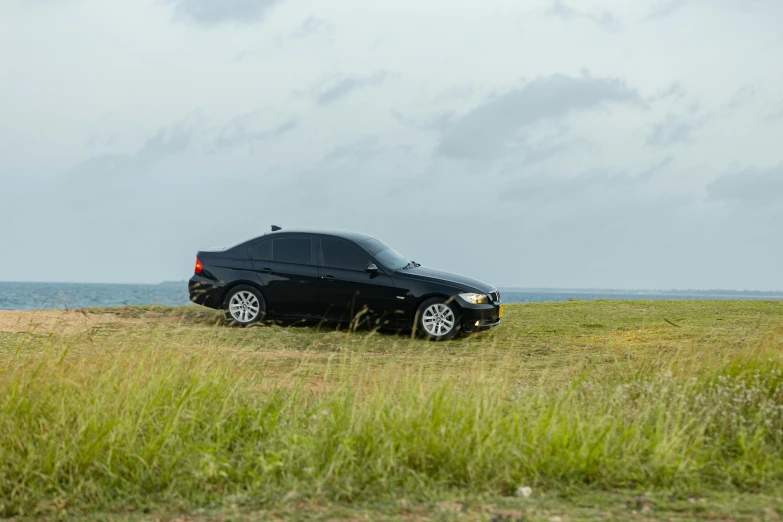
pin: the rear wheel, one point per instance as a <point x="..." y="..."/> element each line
<point x="438" y="319"/>
<point x="245" y="305"/>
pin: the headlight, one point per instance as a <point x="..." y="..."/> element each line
<point x="475" y="298"/>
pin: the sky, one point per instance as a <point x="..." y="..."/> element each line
<point x="565" y="143"/>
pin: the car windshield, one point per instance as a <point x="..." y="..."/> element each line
<point x="385" y="255"/>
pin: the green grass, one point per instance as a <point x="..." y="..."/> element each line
<point x="603" y="408"/>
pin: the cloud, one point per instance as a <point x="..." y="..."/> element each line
<point x="248" y="129"/>
<point x="675" y="91"/>
<point x="594" y="185"/>
<point x="539" y="143"/>
<point x="167" y="141"/>
<point x="344" y="86"/>
<point x="365" y="149"/>
<point x="310" y="26"/>
<point x="666" y="8"/>
<point x="487" y="129"/>
<point x="670" y="131"/>
<point x="216" y="12"/>
<point x="103" y="166"/>
<point x="440" y="122"/>
<point x="750" y="187"/>
<point x="246" y="53"/>
<point x="34" y="3"/>
<point x="561" y="10"/>
<point x="776" y="115"/>
<point x="742" y="97"/>
<point x="536" y="153"/>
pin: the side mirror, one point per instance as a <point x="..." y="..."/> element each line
<point x="372" y="268"/>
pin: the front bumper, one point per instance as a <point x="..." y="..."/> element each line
<point x="479" y="316"/>
<point x="481" y="326"/>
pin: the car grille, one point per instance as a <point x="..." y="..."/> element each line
<point x="495" y="296"/>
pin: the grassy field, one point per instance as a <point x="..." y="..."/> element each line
<point x="605" y="409"/>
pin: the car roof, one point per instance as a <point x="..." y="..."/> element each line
<point x="351" y="236"/>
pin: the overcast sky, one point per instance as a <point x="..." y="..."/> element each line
<point x="573" y="143"/>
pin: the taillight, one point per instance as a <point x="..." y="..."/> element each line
<point x="199" y="266"/>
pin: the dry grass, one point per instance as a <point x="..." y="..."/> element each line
<point x="56" y="322"/>
<point x="170" y="406"/>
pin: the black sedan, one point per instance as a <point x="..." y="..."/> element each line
<point x="343" y="277"/>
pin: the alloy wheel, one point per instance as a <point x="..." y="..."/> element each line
<point x="438" y="319"/>
<point x="244" y="307"/>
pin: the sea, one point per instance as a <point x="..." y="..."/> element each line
<point x="61" y="296"/>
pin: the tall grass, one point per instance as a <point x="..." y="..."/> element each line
<point x="137" y="425"/>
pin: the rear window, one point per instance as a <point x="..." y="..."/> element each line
<point x="261" y="251"/>
<point x="292" y="250"/>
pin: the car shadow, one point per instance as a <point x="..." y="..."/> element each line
<point x="217" y="318"/>
<point x="333" y="326"/>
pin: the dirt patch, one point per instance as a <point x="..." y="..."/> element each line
<point x="54" y="321"/>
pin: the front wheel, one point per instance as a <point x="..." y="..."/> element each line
<point x="245" y="305"/>
<point x="438" y="319"/>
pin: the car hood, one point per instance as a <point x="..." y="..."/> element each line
<point x="458" y="281"/>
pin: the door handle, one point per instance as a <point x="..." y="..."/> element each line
<point x="328" y="278"/>
<point x="266" y="270"/>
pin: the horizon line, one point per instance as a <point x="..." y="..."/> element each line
<point x="553" y="289"/>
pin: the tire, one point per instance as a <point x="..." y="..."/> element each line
<point x="437" y="319"/>
<point x="244" y="305"/>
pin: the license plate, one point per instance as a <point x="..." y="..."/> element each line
<point x="500" y="312"/>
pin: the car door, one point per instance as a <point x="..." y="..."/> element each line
<point x="286" y="268"/>
<point x="348" y="289"/>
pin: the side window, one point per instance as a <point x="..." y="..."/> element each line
<point x="292" y="250"/>
<point x="261" y="251"/>
<point x="338" y="254"/>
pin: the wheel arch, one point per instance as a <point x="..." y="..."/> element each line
<point x="227" y="289"/>
<point x="423" y="298"/>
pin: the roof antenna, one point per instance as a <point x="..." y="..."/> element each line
<point x="275" y="228"/>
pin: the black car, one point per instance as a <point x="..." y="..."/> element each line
<point x="343" y="277"/>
